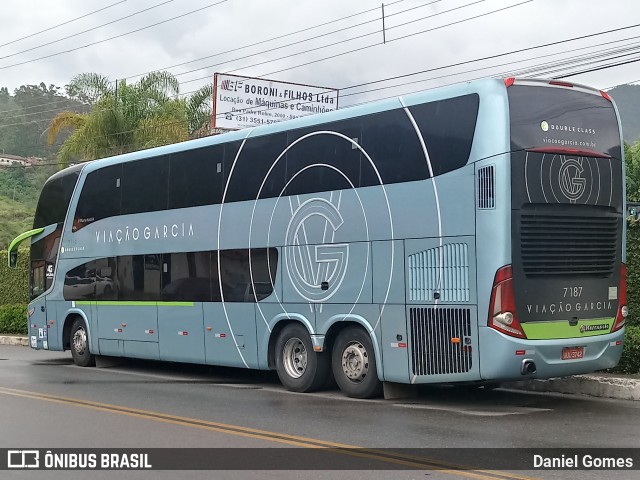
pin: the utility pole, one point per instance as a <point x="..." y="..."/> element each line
<point x="384" y="33"/>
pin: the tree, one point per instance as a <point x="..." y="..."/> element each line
<point x="632" y="158"/>
<point x="127" y="117"/>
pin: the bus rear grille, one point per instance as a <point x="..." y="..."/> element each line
<point x="440" y="340"/>
<point x="568" y="245"/>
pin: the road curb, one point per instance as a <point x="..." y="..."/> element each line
<point x="595" y="385"/>
<point x="14" y="340"/>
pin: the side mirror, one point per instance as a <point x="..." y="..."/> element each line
<point x="13" y="259"/>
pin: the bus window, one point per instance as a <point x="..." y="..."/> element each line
<point x="139" y="277"/>
<point x="323" y="162"/>
<point x="236" y="276"/>
<point x="448" y="127"/>
<point x="393" y="145"/>
<point x="195" y="177"/>
<point x="100" y="197"/>
<point x="144" y="185"/>
<point x="249" y="172"/>
<point x="186" y="277"/>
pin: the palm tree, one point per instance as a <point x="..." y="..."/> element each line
<point x="128" y="117"/>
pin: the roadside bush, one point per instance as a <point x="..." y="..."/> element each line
<point x="13" y="319"/>
<point x="630" y="361"/>
<point x="633" y="271"/>
<point x="14" y="283"/>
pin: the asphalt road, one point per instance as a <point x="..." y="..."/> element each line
<point x="46" y="402"/>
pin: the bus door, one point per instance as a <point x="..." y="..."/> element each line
<point x="41" y="278"/>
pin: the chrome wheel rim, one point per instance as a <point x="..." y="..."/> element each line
<point x="294" y="356"/>
<point x="355" y="362"/>
<point x="80" y="341"/>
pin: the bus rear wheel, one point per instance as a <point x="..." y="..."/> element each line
<point x="299" y="367"/>
<point x="354" y="364"/>
<point x="79" y="340"/>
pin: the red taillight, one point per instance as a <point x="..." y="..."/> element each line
<point x="621" y="316"/>
<point x="509" y="81"/>
<point x="502" y="309"/>
<point x="561" y="84"/>
<point x="575" y="152"/>
<point x="605" y="95"/>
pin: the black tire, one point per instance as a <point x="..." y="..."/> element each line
<point x="79" y="344"/>
<point x="299" y="368"/>
<point x="354" y="364"/>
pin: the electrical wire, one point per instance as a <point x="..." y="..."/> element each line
<point x="85" y="31"/>
<point x="115" y="36"/>
<point x="61" y="24"/>
<point x="254" y="44"/>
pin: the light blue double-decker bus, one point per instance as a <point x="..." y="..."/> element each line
<point x="472" y="233"/>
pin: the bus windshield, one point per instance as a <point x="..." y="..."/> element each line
<point x="52" y="209"/>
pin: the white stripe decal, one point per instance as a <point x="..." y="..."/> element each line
<point x="435" y="193"/>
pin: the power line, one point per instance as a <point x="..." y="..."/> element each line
<point x="62" y="24"/>
<point x="86" y="31"/>
<point x="494" y="56"/>
<point x="598" y="68"/>
<point x="325" y="46"/>
<point x="241" y="48"/>
<point x="114" y="37"/>
<point x="559" y="62"/>
<point x="377" y="31"/>
<point x="284" y="36"/>
<point x="344" y="88"/>
<point x="340" y="42"/>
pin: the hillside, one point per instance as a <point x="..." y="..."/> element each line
<point x="627" y="98"/>
<point x="15" y="218"/>
<point x="19" y="191"/>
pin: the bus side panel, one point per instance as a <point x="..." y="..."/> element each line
<point x="389" y="293"/>
<point x="128" y="323"/>
<point x="393" y="341"/>
<point x="388" y="272"/>
<point x="182" y="337"/>
<point x="231" y="342"/>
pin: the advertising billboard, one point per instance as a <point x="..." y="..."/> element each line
<point x="241" y="102"/>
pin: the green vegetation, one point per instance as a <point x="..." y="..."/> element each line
<point x="128" y="117"/>
<point x="13" y="319"/>
<point x="630" y="361"/>
<point x="15" y="218"/>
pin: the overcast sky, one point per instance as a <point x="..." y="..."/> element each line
<point x="437" y="34"/>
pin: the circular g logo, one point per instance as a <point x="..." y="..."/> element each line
<point x="311" y="265"/>
<point x="544" y="126"/>
<point x="572" y="184"/>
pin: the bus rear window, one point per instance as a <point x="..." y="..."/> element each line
<point x="562" y="118"/>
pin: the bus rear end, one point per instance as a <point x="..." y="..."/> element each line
<point x="559" y="307"/>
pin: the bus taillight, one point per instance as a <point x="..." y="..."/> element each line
<point x="502" y="309"/>
<point x="623" y="310"/>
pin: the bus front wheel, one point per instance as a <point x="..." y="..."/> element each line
<point x="299" y="367"/>
<point x="354" y="364"/>
<point x="79" y="340"/>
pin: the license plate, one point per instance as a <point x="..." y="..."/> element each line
<point x="572" y="353"/>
